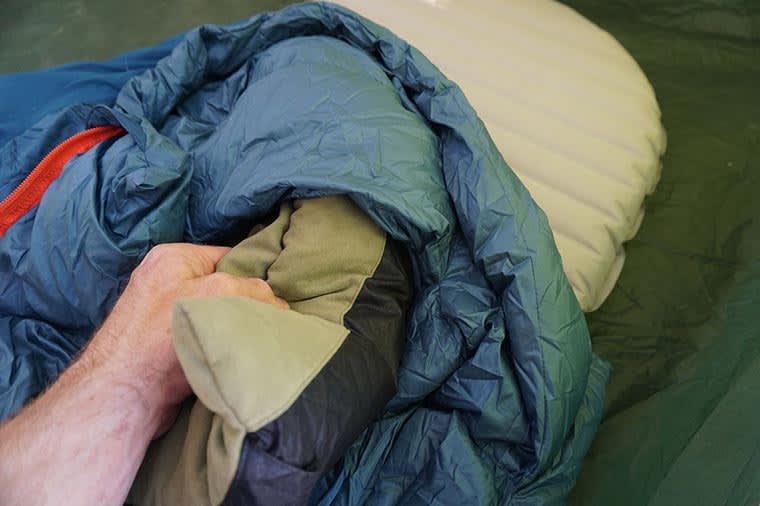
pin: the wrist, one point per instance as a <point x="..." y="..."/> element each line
<point x="127" y="381"/>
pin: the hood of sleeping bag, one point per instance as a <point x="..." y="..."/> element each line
<point x="450" y="364"/>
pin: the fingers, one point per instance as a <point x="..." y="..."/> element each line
<point x="179" y="261"/>
<point x="222" y="284"/>
<point x="212" y="254"/>
<point x="260" y="290"/>
<point x="188" y="269"/>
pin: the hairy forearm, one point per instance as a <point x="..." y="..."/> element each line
<point x="81" y="441"/>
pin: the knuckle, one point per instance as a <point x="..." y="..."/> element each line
<point x="153" y="263"/>
<point x="219" y="283"/>
<point x="142" y="273"/>
<point x="261" y="289"/>
<point x="158" y="254"/>
<point x="160" y="268"/>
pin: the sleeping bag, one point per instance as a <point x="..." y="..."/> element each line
<point x="449" y="364"/>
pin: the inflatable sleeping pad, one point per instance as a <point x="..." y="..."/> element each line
<point x="434" y="352"/>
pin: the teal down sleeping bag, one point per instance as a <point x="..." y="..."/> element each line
<point x="499" y="393"/>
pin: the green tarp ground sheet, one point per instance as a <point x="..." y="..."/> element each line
<point x="682" y="327"/>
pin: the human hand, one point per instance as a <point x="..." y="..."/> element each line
<point x="135" y="341"/>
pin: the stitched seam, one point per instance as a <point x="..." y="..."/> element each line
<point x="301" y="386"/>
<point x="212" y="374"/>
<point x="363" y="281"/>
<point x="221" y="396"/>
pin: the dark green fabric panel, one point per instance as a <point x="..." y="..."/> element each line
<point x="682" y="327"/>
<point x="727" y="432"/>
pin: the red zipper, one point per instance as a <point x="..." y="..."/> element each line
<point x="29" y="193"/>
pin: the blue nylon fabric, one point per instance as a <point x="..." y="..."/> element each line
<point x="499" y="392"/>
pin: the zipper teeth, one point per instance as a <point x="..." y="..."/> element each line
<point x="27" y="194"/>
<point x="36" y="170"/>
<point x="55" y="152"/>
<point x="26" y="182"/>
